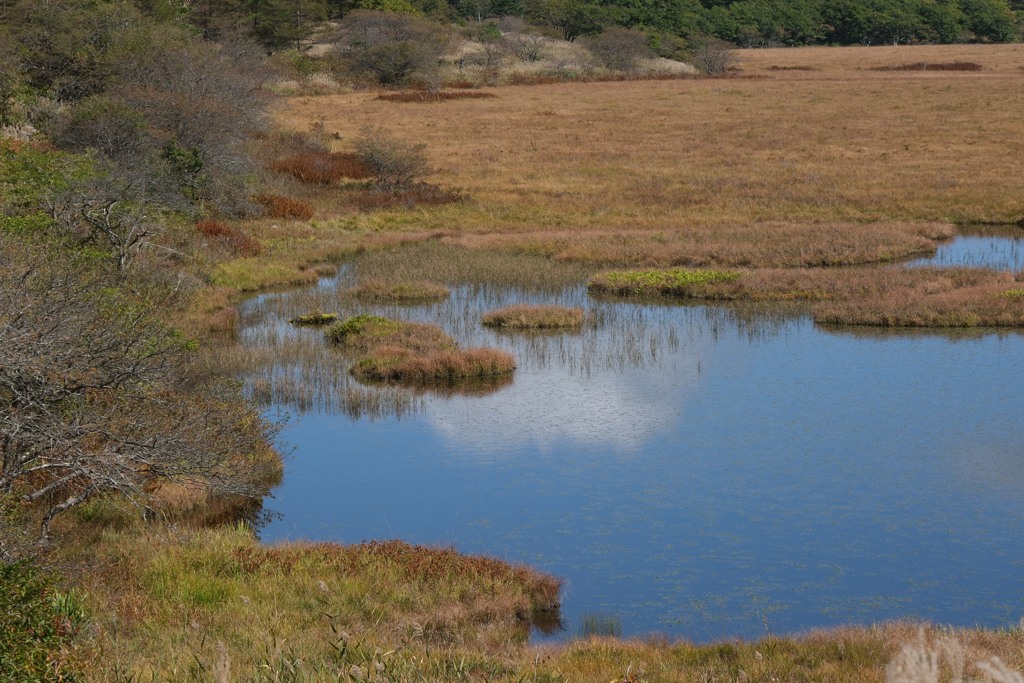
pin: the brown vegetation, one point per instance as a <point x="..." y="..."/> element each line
<point x="932" y="66"/>
<point x="391" y="292"/>
<point x="236" y="241"/>
<point x="534" y="317"/>
<point x="277" y="206"/>
<point x="321" y="167"/>
<point x="438" y="96"/>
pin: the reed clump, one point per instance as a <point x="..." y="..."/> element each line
<point x="366" y="332"/>
<point x="534" y="317"/>
<point x="394" y="364"/>
<point x="315" y="319"/>
<point x="679" y="282"/>
<point x="405" y="292"/>
<point x="413" y="353"/>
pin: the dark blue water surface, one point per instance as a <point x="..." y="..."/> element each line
<point x="1000" y="247"/>
<point x="701" y="472"/>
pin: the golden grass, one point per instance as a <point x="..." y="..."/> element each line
<point x="841" y="145"/>
<point x="391" y="292"/>
<point x="534" y="317"/>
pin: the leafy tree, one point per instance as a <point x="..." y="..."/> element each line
<point x="989" y="20"/>
<point x="572" y="18"/>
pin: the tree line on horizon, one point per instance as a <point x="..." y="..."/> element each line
<point x="280" y="24"/>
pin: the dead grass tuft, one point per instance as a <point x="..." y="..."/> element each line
<point x="534" y="317"/>
<point x="278" y="206"/>
<point x="315" y="319"/>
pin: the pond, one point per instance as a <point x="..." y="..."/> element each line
<point x="996" y="246"/>
<point x="698" y="472"/>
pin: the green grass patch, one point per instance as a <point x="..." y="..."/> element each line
<point x="682" y="282"/>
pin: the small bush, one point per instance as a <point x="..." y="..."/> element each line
<point x="236" y="241"/>
<point x="322" y="168"/>
<point x="276" y="206"/>
<point x="36" y="626"/>
<point x="526" y="317"/>
<point x="394" y="163"/>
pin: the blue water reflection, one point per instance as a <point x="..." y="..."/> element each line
<point x="1001" y="248"/>
<point x="699" y="472"/>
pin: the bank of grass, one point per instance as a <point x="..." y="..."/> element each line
<point x="534" y="317"/>
<point x="413" y="353"/>
<point x="884" y="297"/>
<point x="399" y="292"/>
<point x="217" y="605"/>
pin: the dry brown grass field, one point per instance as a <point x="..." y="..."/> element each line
<point x="839" y="146"/>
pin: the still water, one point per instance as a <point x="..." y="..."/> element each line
<point x="699" y="472"/>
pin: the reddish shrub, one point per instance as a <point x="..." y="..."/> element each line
<point x="322" y="168"/>
<point x="932" y="66"/>
<point x="276" y="206"/>
<point x="236" y="241"/>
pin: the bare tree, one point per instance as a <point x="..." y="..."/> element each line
<point x="619" y="49"/>
<point x="93" y="394"/>
<point x="109" y="210"/>
<point x="396" y="164"/>
<point x="528" y="46"/>
<point x="712" y="55"/>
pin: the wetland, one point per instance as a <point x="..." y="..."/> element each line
<point x="699" y="471"/>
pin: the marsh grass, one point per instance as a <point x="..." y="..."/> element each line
<point x="315" y="319"/>
<point x="534" y="317"/>
<point x="403" y="293"/>
<point x="416" y="353"/>
<point x="891" y="297"/>
<point x="278" y="206"/>
<point x="679" y="282"/>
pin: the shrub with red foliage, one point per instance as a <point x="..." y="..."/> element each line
<point x="277" y="206"/>
<point x="932" y="66"/>
<point x="322" y="168"/>
<point x="236" y="241"/>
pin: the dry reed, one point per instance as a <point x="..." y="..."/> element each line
<point x="406" y="292"/>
